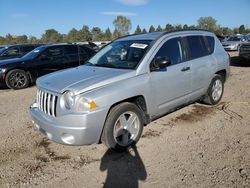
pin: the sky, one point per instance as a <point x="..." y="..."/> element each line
<point x="33" y="17"/>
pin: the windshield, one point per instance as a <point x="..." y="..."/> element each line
<point x="121" y="54"/>
<point x="34" y="53"/>
<point x="1" y="49"/>
<point x="236" y="38"/>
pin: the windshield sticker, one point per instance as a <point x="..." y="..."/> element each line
<point x="36" y="51"/>
<point x="138" y="45"/>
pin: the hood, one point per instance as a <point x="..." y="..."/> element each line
<point x="82" y="78"/>
<point x="8" y="61"/>
<point x="228" y="43"/>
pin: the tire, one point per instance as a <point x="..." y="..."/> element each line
<point x="117" y="134"/>
<point x="17" y="79"/>
<point x="215" y="91"/>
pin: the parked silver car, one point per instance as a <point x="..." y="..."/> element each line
<point x="129" y="83"/>
<point x="234" y="42"/>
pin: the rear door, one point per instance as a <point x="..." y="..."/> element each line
<point x="202" y="63"/>
<point x="171" y="86"/>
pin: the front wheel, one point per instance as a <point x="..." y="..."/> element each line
<point x="123" y="127"/>
<point x="215" y="91"/>
<point x="17" y="79"/>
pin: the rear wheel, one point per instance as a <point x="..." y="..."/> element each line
<point x="123" y="127"/>
<point x="17" y="79"/>
<point x="215" y="91"/>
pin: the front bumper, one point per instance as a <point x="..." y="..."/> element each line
<point x="244" y="56"/>
<point x="72" y="129"/>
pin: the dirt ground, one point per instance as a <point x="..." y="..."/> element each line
<point x="197" y="146"/>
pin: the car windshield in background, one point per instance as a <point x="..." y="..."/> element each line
<point x="121" y="54"/>
<point x="2" y="49"/>
<point x="234" y="39"/>
<point x="32" y="54"/>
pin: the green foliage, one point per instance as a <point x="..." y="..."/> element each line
<point x="159" y="29"/>
<point x="138" y="30"/>
<point x="107" y="35"/>
<point x="51" y="36"/>
<point x="97" y="34"/>
<point x="144" y="30"/>
<point x="151" y="29"/>
<point x="242" y="29"/>
<point x="122" y="25"/>
<point x="116" y="34"/>
<point x="208" y="23"/>
<point x="33" y="40"/>
<point x="73" y="35"/>
<point x="169" y="27"/>
<point x="85" y="34"/>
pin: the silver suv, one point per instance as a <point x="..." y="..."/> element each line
<point x="130" y="82"/>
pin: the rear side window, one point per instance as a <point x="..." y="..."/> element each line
<point x="54" y="51"/>
<point x="71" y="50"/>
<point x="197" y="47"/>
<point x="173" y="50"/>
<point x="210" y="44"/>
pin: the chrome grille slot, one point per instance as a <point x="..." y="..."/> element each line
<point x="47" y="102"/>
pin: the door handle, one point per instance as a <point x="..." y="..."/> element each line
<point x="185" y="69"/>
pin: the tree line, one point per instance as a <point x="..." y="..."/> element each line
<point x="122" y="27"/>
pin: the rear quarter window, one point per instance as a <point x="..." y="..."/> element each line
<point x="197" y="47"/>
<point x="210" y="44"/>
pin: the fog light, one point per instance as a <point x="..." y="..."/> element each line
<point x="68" y="138"/>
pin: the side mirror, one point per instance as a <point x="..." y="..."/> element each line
<point x="160" y="63"/>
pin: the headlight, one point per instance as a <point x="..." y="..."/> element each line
<point x="85" y="105"/>
<point x="2" y="70"/>
<point x="68" y="100"/>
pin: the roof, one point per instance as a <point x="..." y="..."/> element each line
<point x="156" y="35"/>
<point x="145" y="36"/>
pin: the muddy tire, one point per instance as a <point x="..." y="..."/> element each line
<point x="123" y="127"/>
<point x="215" y="91"/>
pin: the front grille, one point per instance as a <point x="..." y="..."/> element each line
<point x="47" y="102"/>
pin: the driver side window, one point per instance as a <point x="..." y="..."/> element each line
<point x="12" y="51"/>
<point x="173" y="50"/>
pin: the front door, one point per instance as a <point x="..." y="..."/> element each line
<point x="170" y="87"/>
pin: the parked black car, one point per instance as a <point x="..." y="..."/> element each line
<point x="244" y="52"/>
<point x="19" y="73"/>
<point x="14" y="51"/>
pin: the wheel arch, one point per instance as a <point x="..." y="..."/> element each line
<point x="139" y="101"/>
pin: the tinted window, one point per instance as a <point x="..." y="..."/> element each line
<point x="173" y="50"/>
<point x="55" y="51"/>
<point x="71" y="50"/>
<point x="210" y="44"/>
<point x="197" y="47"/>
<point x="235" y="38"/>
<point x="12" y="51"/>
<point x="26" y="49"/>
